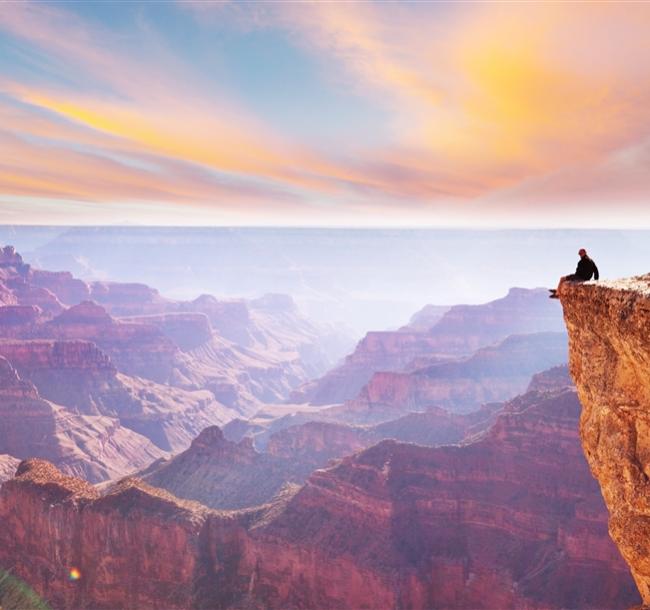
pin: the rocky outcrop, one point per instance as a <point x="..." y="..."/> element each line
<point x="442" y="518"/>
<point x="26" y="293"/>
<point x="427" y="317"/>
<point x="123" y="544"/>
<point x="462" y="330"/>
<point x="230" y="318"/>
<point x="8" y="465"/>
<point x="226" y="475"/>
<point x="41" y="354"/>
<point x="187" y="330"/>
<point x="377" y="351"/>
<point x="128" y="299"/>
<point x="492" y="374"/>
<point x="512" y="520"/>
<point x="95" y="447"/>
<point x="80" y="377"/>
<point x="10" y="258"/>
<point x="609" y="333"/>
<point x="555" y="378"/>
<point x="244" y="352"/>
<point x="68" y="289"/>
<point x="223" y="473"/>
<point x="18" y="321"/>
<point x="136" y="349"/>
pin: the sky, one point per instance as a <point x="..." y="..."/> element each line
<point x="387" y="114"/>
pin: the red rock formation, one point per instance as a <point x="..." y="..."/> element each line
<point x="222" y="474"/>
<point x="555" y="378"/>
<point x="41" y="354"/>
<point x="136" y="349"/>
<point x="96" y="447"/>
<point x="609" y="332"/>
<point x="187" y="330"/>
<point x="80" y="377"/>
<point x="29" y="294"/>
<point x="10" y="258"/>
<point x="126" y="545"/>
<point x="68" y="289"/>
<point x="315" y="443"/>
<point x="18" y="320"/>
<point x="466" y="328"/>
<point x="492" y="374"/>
<point x="273" y="347"/>
<point x="377" y="351"/>
<point x="230" y="318"/>
<point x="512" y="520"/>
<point x="461" y="331"/>
<point x="128" y="299"/>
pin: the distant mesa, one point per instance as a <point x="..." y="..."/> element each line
<point x="86" y="312"/>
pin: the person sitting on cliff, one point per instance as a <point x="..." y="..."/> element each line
<point x="585" y="270"/>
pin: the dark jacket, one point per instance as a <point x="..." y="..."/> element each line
<point x="586" y="269"/>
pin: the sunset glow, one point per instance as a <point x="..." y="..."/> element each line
<point x="363" y="114"/>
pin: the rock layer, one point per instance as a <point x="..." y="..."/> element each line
<point x="512" y="520"/>
<point x="495" y="373"/>
<point x="459" y="332"/>
<point x="609" y="333"/>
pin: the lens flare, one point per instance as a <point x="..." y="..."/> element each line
<point x="74" y="574"/>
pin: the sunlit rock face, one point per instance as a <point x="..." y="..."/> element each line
<point x="609" y="332"/>
<point x="511" y="520"/>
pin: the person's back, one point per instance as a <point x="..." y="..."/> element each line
<point x="586" y="268"/>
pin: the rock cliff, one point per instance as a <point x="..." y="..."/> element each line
<point x="609" y="339"/>
<point x="93" y="446"/>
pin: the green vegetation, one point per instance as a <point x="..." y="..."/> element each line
<point x="16" y="595"/>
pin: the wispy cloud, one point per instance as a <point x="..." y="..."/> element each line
<point x="487" y="103"/>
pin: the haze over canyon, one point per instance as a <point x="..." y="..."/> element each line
<point x="233" y="453"/>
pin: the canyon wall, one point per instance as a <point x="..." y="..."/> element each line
<point x="458" y="332"/>
<point x="511" y="520"/>
<point x="609" y="339"/>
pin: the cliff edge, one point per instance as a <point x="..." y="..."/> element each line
<point x="609" y="359"/>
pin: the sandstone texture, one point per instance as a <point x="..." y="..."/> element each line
<point x="511" y="520"/>
<point x="609" y="333"/>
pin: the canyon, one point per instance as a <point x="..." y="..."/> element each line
<point x="456" y="332"/>
<point x="154" y="377"/>
<point x="511" y="519"/>
<point x="221" y="453"/>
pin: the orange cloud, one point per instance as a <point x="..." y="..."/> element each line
<point x="482" y="99"/>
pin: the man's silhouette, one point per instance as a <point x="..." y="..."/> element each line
<point x="585" y="270"/>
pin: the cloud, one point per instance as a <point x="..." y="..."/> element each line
<point x="491" y="107"/>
